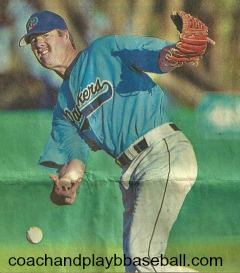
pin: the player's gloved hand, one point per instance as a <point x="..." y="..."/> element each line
<point x="193" y="41"/>
<point x="66" y="185"/>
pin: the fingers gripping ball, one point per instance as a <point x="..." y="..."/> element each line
<point x="34" y="235"/>
<point x="193" y="39"/>
<point x="65" y="184"/>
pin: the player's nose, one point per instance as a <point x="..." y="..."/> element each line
<point x="39" y="41"/>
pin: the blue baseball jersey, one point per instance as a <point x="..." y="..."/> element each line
<point x="106" y="100"/>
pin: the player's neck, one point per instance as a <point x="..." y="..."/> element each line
<point x="69" y="57"/>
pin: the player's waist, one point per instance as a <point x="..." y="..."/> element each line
<point x="153" y="136"/>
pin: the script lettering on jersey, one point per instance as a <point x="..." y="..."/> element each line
<point x="90" y="99"/>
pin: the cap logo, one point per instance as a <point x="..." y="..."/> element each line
<point x="32" y="22"/>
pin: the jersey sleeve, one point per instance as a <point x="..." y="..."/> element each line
<point x="64" y="144"/>
<point x="140" y="52"/>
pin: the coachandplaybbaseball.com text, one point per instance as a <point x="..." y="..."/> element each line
<point x="107" y="262"/>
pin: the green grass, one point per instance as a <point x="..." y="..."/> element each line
<point x="208" y="224"/>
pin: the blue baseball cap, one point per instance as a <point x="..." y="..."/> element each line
<point x="42" y="22"/>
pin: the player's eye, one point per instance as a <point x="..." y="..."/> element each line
<point x="32" y="41"/>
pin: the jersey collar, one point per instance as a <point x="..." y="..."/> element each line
<point x="70" y="68"/>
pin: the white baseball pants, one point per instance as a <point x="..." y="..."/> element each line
<point x="153" y="190"/>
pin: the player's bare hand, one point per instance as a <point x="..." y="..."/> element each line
<point x="66" y="184"/>
<point x="64" y="191"/>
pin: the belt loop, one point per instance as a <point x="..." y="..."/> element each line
<point x="141" y="145"/>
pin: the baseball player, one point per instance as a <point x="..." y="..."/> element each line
<point x="107" y="102"/>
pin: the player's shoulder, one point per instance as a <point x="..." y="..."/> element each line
<point x="104" y="41"/>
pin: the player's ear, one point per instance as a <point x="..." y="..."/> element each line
<point x="66" y="35"/>
<point x="63" y="33"/>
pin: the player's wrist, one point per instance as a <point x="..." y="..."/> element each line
<point x="165" y="63"/>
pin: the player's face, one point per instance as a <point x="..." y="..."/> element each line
<point x="49" y="49"/>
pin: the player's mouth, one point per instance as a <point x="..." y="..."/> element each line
<point x="43" y="56"/>
<point x="42" y="53"/>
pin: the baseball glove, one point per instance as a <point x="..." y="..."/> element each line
<point x="193" y="40"/>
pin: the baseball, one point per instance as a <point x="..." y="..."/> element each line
<point x="34" y="235"/>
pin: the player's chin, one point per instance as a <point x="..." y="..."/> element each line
<point x="43" y="63"/>
<point x="46" y="65"/>
<point x="46" y="62"/>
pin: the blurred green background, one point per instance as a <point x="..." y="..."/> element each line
<point x="25" y="84"/>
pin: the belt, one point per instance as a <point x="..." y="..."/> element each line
<point x="160" y="132"/>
